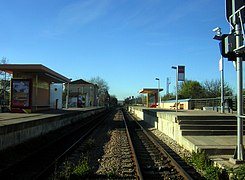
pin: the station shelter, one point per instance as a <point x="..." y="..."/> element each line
<point x="151" y="96"/>
<point x="33" y="86"/>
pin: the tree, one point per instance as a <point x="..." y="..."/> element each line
<point x="191" y="89"/>
<point x="103" y="95"/>
<point x="4" y="83"/>
<point x="212" y="89"/>
<point x="168" y="96"/>
<point x="113" y="100"/>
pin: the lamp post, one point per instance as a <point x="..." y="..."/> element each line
<point x="221" y="68"/>
<point x="236" y="20"/>
<point x="158" y="93"/>
<point x="67" y="94"/>
<point x="176" y="68"/>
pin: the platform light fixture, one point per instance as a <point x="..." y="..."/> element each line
<point x="158" y="93"/>
<point x="218" y="37"/>
<point x="176" y="105"/>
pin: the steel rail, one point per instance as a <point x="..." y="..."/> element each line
<point x="138" y="171"/>
<point x="181" y="171"/>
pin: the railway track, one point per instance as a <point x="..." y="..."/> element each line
<point x="156" y="160"/>
<point x="147" y="159"/>
<point x="42" y="162"/>
<point x="129" y="153"/>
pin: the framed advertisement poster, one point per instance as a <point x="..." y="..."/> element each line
<point x="21" y="93"/>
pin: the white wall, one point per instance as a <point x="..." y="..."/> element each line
<point x="56" y="94"/>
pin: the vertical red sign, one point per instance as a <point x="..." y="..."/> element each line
<point x="181" y="73"/>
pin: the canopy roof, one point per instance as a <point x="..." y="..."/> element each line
<point x="39" y="69"/>
<point x="150" y="90"/>
<point x="80" y="81"/>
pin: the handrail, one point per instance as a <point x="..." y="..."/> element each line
<point x="241" y="116"/>
<point x="238" y="11"/>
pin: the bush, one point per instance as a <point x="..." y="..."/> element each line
<point x="201" y="161"/>
<point x="212" y="173"/>
<point x="81" y="169"/>
<point x="239" y="173"/>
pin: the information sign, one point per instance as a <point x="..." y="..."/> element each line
<point x="181" y="73"/>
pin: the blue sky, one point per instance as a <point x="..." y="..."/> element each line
<point x="128" y="43"/>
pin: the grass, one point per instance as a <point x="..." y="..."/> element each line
<point x="201" y="161"/>
<point x="73" y="171"/>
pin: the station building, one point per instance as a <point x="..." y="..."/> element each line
<point x="82" y="94"/>
<point x="34" y="87"/>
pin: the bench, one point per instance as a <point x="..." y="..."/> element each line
<point x="174" y="106"/>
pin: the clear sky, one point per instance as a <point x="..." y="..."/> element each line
<point x="128" y="43"/>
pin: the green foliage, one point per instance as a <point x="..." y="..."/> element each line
<point x="73" y="171"/>
<point x="82" y="168"/>
<point x="200" y="160"/>
<point x="239" y="173"/>
<point x="212" y="173"/>
<point x="196" y="90"/>
<point x="169" y="96"/>
<point x="190" y="89"/>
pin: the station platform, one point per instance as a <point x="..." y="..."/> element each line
<point x="9" y="118"/>
<point x="195" y="130"/>
<point x="16" y="128"/>
<point x="220" y="148"/>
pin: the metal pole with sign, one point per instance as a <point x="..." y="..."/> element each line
<point x="239" y="96"/>
<point x="176" y="103"/>
<point x="221" y="69"/>
<point x="180" y="76"/>
<point x="236" y="17"/>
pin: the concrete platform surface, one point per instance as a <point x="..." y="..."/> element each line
<point x="16" y="128"/>
<point x="15" y="118"/>
<point x="219" y="147"/>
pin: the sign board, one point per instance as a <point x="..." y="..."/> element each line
<point x="21" y="93"/>
<point x="181" y="73"/>
<point x="229" y="9"/>
<point x="221" y="64"/>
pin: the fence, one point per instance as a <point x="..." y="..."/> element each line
<point x="230" y="102"/>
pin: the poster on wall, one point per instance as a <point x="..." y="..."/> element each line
<point x="21" y="93"/>
<point x="81" y="100"/>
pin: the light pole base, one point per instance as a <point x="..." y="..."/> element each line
<point x="238" y="159"/>
<point x="235" y="161"/>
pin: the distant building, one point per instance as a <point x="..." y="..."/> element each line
<point x="83" y="94"/>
